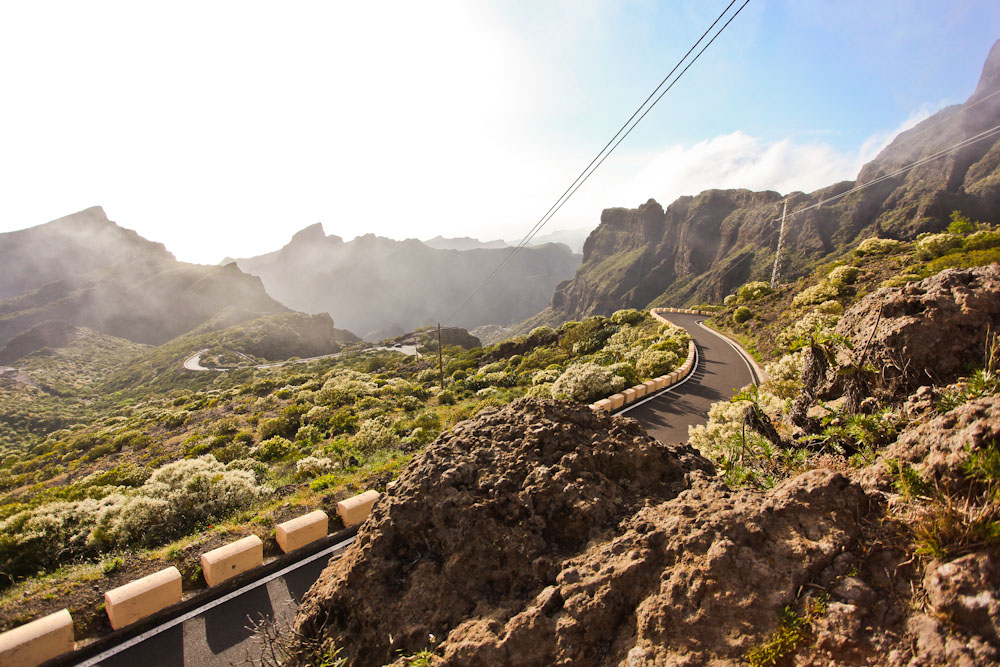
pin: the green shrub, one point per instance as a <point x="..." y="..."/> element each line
<point x="874" y="246"/>
<point x="742" y="314"/>
<point x="753" y="291"/>
<point x="653" y="363"/>
<point x="627" y="316"/>
<point x="960" y="224"/>
<point x="930" y="246"/>
<point x="375" y="434"/>
<point x="982" y="240"/>
<point x="273" y="449"/>
<point x="842" y="276"/>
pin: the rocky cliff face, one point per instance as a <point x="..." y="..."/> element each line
<point x="700" y="248"/>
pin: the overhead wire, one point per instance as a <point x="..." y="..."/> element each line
<point x="612" y="144"/>
<point x="985" y="134"/>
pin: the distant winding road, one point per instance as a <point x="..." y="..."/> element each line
<point x="722" y="369"/>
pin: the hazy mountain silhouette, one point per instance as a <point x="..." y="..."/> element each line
<point x="85" y="270"/>
<point x="372" y="283"/>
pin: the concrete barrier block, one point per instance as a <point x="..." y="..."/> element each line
<point x="660" y="382"/>
<point x="650" y="386"/>
<point x="143" y="597"/>
<point x="235" y="558"/>
<point x="630" y="395"/>
<point x="640" y="390"/>
<point x="603" y="405"/>
<point x="300" y="531"/>
<point x="617" y="400"/>
<point x="356" y="509"/>
<point x="33" y="643"/>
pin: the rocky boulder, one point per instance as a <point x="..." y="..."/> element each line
<point x="544" y="534"/>
<point x="928" y="331"/>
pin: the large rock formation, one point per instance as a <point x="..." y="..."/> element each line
<point x="543" y="534"/>
<point x="702" y="247"/>
<point x="926" y="332"/>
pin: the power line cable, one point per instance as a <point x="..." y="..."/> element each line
<point x="985" y="134"/>
<point x="603" y="154"/>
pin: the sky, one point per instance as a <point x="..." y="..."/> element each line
<point x="221" y="128"/>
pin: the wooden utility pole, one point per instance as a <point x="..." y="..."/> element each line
<point x="781" y="246"/>
<point x="440" y="358"/>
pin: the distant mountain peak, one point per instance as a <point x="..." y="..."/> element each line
<point x="314" y="233"/>
<point x="989" y="80"/>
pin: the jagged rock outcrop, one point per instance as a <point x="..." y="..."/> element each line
<point x="702" y="247"/>
<point x="926" y="332"/>
<point x="543" y="534"/>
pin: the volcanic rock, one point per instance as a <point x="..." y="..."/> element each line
<point x="544" y="534"/>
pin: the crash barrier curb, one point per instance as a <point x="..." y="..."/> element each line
<point x="33" y="643"/>
<point x="355" y="510"/>
<point x="649" y="387"/>
<point x="143" y="597"/>
<point x="51" y="636"/>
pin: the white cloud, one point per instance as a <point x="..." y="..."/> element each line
<point x="737" y="160"/>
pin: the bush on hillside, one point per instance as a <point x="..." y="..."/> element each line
<point x="742" y="314"/>
<point x="754" y="290"/>
<point x="930" y="246"/>
<point x="874" y="246"/>
<point x="628" y="316"/>
<point x="585" y="382"/>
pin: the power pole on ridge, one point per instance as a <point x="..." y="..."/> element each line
<point x="781" y="246"/>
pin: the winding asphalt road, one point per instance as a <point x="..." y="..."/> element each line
<point x="721" y="371"/>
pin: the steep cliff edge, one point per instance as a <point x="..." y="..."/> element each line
<point x="702" y="247"/>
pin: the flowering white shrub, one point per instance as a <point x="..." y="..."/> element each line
<point x="346" y="387"/>
<point x="374" y="434"/>
<point x="487" y="392"/>
<point x="313" y="466"/>
<point x="730" y="300"/>
<point x="784" y="376"/>
<point x="818" y="293"/>
<point x="546" y="375"/>
<point x="840" y="276"/>
<point x="586" y="382"/>
<point x="543" y="390"/>
<point x="934" y="245"/>
<point x="725" y="422"/>
<point x="174" y="499"/>
<point x="653" y="363"/>
<point x="627" y="316"/>
<point x="830" y="308"/>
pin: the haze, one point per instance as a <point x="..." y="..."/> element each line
<point x="222" y="128"/>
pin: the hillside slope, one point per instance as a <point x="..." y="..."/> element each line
<point x="85" y="270"/>
<point x="701" y="247"/>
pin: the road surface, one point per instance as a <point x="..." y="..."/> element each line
<point x="722" y="369"/>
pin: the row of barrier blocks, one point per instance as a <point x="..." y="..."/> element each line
<point x="616" y="401"/>
<point x="51" y="636"/>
